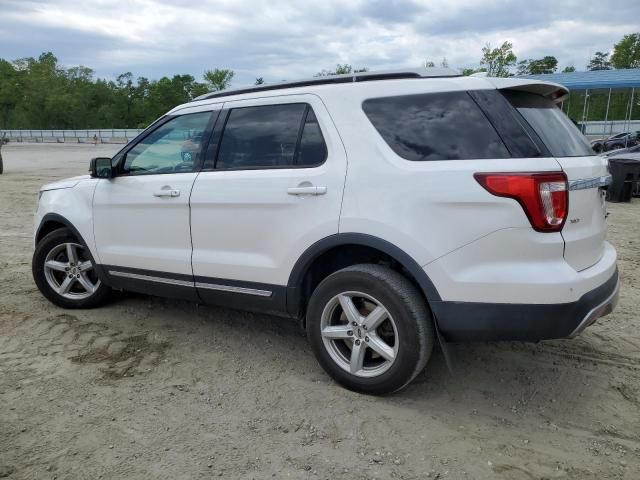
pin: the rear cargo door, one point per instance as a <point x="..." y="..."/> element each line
<point x="585" y="229"/>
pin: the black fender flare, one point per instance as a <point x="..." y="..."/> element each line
<point x="54" y="217"/>
<point x="310" y="254"/>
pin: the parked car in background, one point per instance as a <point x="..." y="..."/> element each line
<point x="620" y="140"/>
<point x="624" y="151"/>
<point x="385" y="211"/>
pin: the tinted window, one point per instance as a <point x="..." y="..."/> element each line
<point x="517" y="135"/>
<point x="442" y="126"/>
<point x="261" y="137"/>
<point x="554" y="128"/>
<point x="312" y="150"/>
<point x="172" y="148"/>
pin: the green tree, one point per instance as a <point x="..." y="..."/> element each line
<point x="39" y="93"/>
<point x="547" y="64"/>
<point x="599" y="61"/>
<point x="498" y="61"/>
<point x="569" y="69"/>
<point x="11" y="85"/>
<point x="626" y="53"/>
<point x="343" y="69"/>
<point x="470" y="71"/>
<point x="522" y="68"/>
<point x="218" y="79"/>
<point x="126" y="94"/>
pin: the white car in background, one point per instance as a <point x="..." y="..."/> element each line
<point x="386" y="211"/>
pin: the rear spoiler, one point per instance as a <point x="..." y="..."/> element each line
<point x="553" y="91"/>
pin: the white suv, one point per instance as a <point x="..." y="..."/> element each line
<point x="385" y="211"/>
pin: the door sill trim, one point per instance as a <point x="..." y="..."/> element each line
<point x="150" y="278"/>
<point x="232" y="289"/>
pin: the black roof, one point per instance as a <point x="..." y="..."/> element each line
<point x="432" y="72"/>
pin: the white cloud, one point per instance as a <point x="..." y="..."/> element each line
<point x="283" y="39"/>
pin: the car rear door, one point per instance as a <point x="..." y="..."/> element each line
<point x="274" y="190"/>
<point x="585" y="229"/>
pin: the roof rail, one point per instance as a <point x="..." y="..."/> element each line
<point x="431" y="72"/>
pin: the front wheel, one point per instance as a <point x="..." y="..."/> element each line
<point x="370" y="328"/>
<point x="64" y="272"/>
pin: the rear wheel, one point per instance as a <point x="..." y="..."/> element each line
<point x="370" y="328"/>
<point x="64" y="272"/>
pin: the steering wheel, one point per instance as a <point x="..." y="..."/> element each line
<point x="183" y="166"/>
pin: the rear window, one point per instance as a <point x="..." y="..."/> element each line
<point x="559" y="134"/>
<point x="435" y="126"/>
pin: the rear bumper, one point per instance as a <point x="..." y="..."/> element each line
<point x="476" y="321"/>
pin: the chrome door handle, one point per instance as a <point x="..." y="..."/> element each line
<point x="167" y="193"/>
<point x="310" y="190"/>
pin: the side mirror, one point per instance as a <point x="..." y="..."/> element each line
<point x="100" y="167"/>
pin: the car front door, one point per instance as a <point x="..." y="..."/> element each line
<point x="275" y="189"/>
<point x="141" y="216"/>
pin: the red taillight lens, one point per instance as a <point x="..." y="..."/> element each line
<point x="544" y="197"/>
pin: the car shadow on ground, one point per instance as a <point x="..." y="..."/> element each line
<point x="506" y="378"/>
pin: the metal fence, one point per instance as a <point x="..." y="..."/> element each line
<point x="113" y="135"/>
<point x="122" y="135"/>
<point x="606" y="129"/>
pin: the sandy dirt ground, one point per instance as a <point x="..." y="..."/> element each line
<point x="152" y="388"/>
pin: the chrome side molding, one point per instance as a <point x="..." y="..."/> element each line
<point x="232" y="289"/>
<point x="595" y="182"/>
<point x="186" y="283"/>
<point x="149" y="278"/>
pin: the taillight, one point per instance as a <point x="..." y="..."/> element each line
<point x="544" y="197"/>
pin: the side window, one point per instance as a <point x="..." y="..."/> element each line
<point x="554" y="128"/>
<point x="313" y="149"/>
<point x="436" y="126"/>
<point x="517" y="135"/>
<point x="172" y="148"/>
<point x="271" y="136"/>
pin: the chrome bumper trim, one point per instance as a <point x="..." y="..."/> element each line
<point x="604" y="308"/>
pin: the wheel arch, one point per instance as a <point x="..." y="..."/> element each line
<point x="298" y="286"/>
<point x="54" y="221"/>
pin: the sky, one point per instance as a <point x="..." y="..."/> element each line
<point x="287" y="39"/>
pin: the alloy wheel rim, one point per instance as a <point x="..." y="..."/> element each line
<point x="69" y="271"/>
<point x="359" y="334"/>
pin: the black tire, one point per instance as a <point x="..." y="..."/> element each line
<point x="407" y="308"/>
<point x="48" y="244"/>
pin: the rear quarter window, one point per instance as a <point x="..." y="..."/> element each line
<point x="561" y="137"/>
<point x="435" y="126"/>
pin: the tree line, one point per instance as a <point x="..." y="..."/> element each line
<point x="39" y="93"/>
<point x="501" y="61"/>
